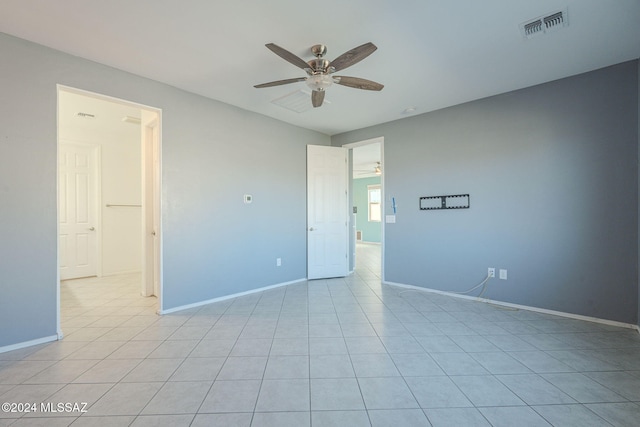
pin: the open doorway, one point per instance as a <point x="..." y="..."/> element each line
<point x="108" y="194"/>
<point x="367" y="202"/>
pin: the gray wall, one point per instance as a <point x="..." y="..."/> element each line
<point x="212" y="154"/>
<point x="553" y="178"/>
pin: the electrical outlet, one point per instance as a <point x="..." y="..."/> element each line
<point x="503" y="274"/>
<point x="491" y="272"/>
<point x="278" y="262"/>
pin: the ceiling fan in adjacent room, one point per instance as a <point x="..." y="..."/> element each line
<point x="320" y="71"/>
<point x="376" y="170"/>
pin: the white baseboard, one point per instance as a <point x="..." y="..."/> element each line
<point x="226" y="297"/>
<point x="520" y="307"/>
<point x="24" y="344"/>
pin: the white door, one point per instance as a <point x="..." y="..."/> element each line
<point x="77" y="214"/>
<point x="327" y="213"/>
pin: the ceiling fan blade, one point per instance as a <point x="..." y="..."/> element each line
<point x="317" y="97"/>
<point x="280" y="82"/>
<point x="287" y="56"/>
<point x="357" y="83"/>
<point x="353" y="56"/>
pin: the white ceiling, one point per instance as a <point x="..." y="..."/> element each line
<point x="431" y="53"/>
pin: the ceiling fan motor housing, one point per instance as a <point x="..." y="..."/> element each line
<point x="319" y="78"/>
<point x="319" y="65"/>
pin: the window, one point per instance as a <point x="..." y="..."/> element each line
<point x="375" y="198"/>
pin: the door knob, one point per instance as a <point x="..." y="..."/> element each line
<point x="153" y="233"/>
<point x="310" y="228"/>
<point x="92" y="228"/>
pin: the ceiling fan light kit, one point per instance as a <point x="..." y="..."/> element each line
<point x="319" y="81"/>
<point x="320" y="71"/>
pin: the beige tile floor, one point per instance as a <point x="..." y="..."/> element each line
<point x="341" y="352"/>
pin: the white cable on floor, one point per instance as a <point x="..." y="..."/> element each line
<point x="476" y="287"/>
<point x="484" y="288"/>
<point x="483" y="284"/>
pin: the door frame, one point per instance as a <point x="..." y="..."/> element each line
<point x="352" y="242"/>
<point x="157" y="203"/>
<point x="151" y="212"/>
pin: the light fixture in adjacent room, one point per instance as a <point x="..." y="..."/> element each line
<point x="378" y="169"/>
<point x="131" y="119"/>
<point x="86" y="115"/>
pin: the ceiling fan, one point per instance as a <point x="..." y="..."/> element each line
<point x="376" y="170"/>
<point x="320" y="71"/>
